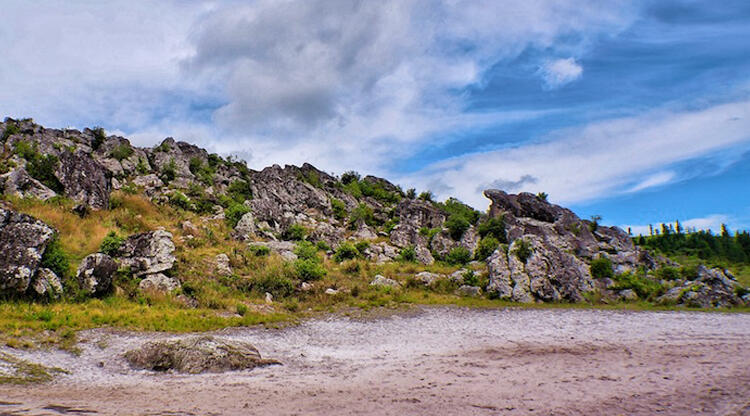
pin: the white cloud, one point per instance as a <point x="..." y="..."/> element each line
<point x="560" y="72"/>
<point x="661" y="178"/>
<point x="597" y="160"/>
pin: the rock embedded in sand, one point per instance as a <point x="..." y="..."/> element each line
<point x="197" y="355"/>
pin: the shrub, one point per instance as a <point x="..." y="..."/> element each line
<point x="522" y="250"/>
<point x="472" y="278"/>
<point x="202" y="171"/>
<point x="99" y="137"/>
<point x="349" y="177"/>
<point x="361" y="246"/>
<point x="42" y="168"/>
<point x="363" y="213"/>
<point x="645" y="288"/>
<point x="277" y="285"/>
<point x="494" y="227"/>
<point x="426" y="196"/>
<point x="345" y="251"/>
<point x="25" y="150"/>
<point x="122" y="151"/>
<point x="408" y="254"/>
<point x="295" y="232"/>
<point x="234" y="213"/>
<point x="309" y="269"/>
<point x="306" y="250"/>
<point x="10" y="129"/>
<point x="602" y="268"/>
<point x="487" y="246"/>
<point x="259" y="250"/>
<point x="454" y="207"/>
<point x="240" y="191"/>
<point x="169" y="171"/>
<point x="411" y="193"/>
<point x="668" y="273"/>
<point x="111" y="244"/>
<point x="241" y="309"/>
<point x="457" y="225"/>
<point x="55" y="258"/>
<point x="179" y="200"/>
<point x="142" y="168"/>
<point x="322" y="245"/>
<point x="458" y="255"/>
<point x="542" y="195"/>
<point x="339" y="209"/>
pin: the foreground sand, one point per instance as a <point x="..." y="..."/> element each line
<point x="441" y="361"/>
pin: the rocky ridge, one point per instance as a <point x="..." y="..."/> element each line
<point x="534" y="251"/>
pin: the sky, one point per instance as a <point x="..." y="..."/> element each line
<point x="635" y="111"/>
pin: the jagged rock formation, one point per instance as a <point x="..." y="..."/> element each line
<point x="197" y="355"/>
<point x="542" y="254"/>
<point x="549" y="250"/>
<point x="707" y="289"/>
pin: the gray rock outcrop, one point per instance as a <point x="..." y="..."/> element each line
<point x="148" y="253"/>
<point x="197" y="355"/>
<point x="95" y="273"/>
<point x="159" y="282"/>
<point x="710" y="288"/>
<point x="23" y="241"/>
<point x="20" y="184"/>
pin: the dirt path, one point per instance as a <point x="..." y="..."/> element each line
<point x="439" y="361"/>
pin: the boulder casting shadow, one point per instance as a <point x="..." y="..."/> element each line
<point x="197" y="355"/>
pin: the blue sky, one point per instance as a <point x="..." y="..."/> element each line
<point x="635" y="111"/>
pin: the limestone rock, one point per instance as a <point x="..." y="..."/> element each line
<point x="628" y="295"/>
<point x="20" y="184"/>
<point x="472" y="291"/>
<point x="47" y="284"/>
<point x="245" y="228"/>
<point x="159" y="282"/>
<point x="23" y="240"/>
<point x="84" y="179"/>
<point x="95" y="273"/>
<point x="381" y="280"/>
<point x="148" y="253"/>
<point x="427" y="278"/>
<point x="222" y="265"/>
<point x="196" y="355"/>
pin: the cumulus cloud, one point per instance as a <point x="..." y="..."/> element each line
<point x="600" y="159"/>
<point x="560" y="72"/>
<point x="508" y="186"/>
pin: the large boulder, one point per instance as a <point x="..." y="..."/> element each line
<point x="84" y="179"/>
<point x="20" y="184"/>
<point x="148" y="253"/>
<point x="95" y="273"/>
<point x="23" y="240"/>
<point x="709" y="288"/>
<point x="47" y="284"/>
<point x="159" y="282"/>
<point x="197" y="355"/>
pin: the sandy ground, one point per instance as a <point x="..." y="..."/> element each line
<point x="434" y="361"/>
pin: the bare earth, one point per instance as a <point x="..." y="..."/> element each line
<point x="433" y="361"/>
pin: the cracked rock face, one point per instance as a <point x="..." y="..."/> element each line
<point x="85" y="180"/>
<point x="23" y="240"/>
<point x="95" y="273"/>
<point x="148" y="253"/>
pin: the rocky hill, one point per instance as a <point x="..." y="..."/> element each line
<point x="524" y="249"/>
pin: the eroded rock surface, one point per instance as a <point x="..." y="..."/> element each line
<point x="197" y="355"/>
<point x="23" y="240"/>
<point x="95" y="273"/>
<point x="148" y="253"/>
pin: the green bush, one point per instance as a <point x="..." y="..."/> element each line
<point x="10" y="129"/>
<point x="408" y="254"/>
<point x="25" y="150"/>
<point x="426" y="196"/>
<point x="169" y="171"/>
<point x="309" y="269"/>
<point x="454" y="207"/>
<point x="487" y="246"/>
<point x="240" y="191"/>
<point x="99" y="137"/>
<point x="241" y="309"/>
<point x="645" y="288"/>
<point x="259" y="250"/>
<point x="295" y="232"/>
<point x="667" y="273"/>
<point x="523" y="250"/>
<point x="494" y="227"/>
<point x="542" y="195"/>
<point x="142" y="168"/>
<point x="322" y="245"/>
<point x="234" y="213"/>
<point x="362" y="213"/>
<point x="361" y="246"/>
<point x="472" y="278"/>
<point x="602" y="268"/>
<point x="457" y="225"/>
<point x="339" y="209"/>
<point x="55" y="258"/>
<point x="458" y="255"/>
<point x="306" y="250"/>
<point x="111" y="244"/>
<point x="345" y="251"/>
<point x="121" y="152"/>
<point x="202" y="171"/>
<point x="277" y="285"/>
<point x="349" y="177"/>
<point x="42" y="168"/>
<point x="411" y="193"/>
<point x="179" y="200"/>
